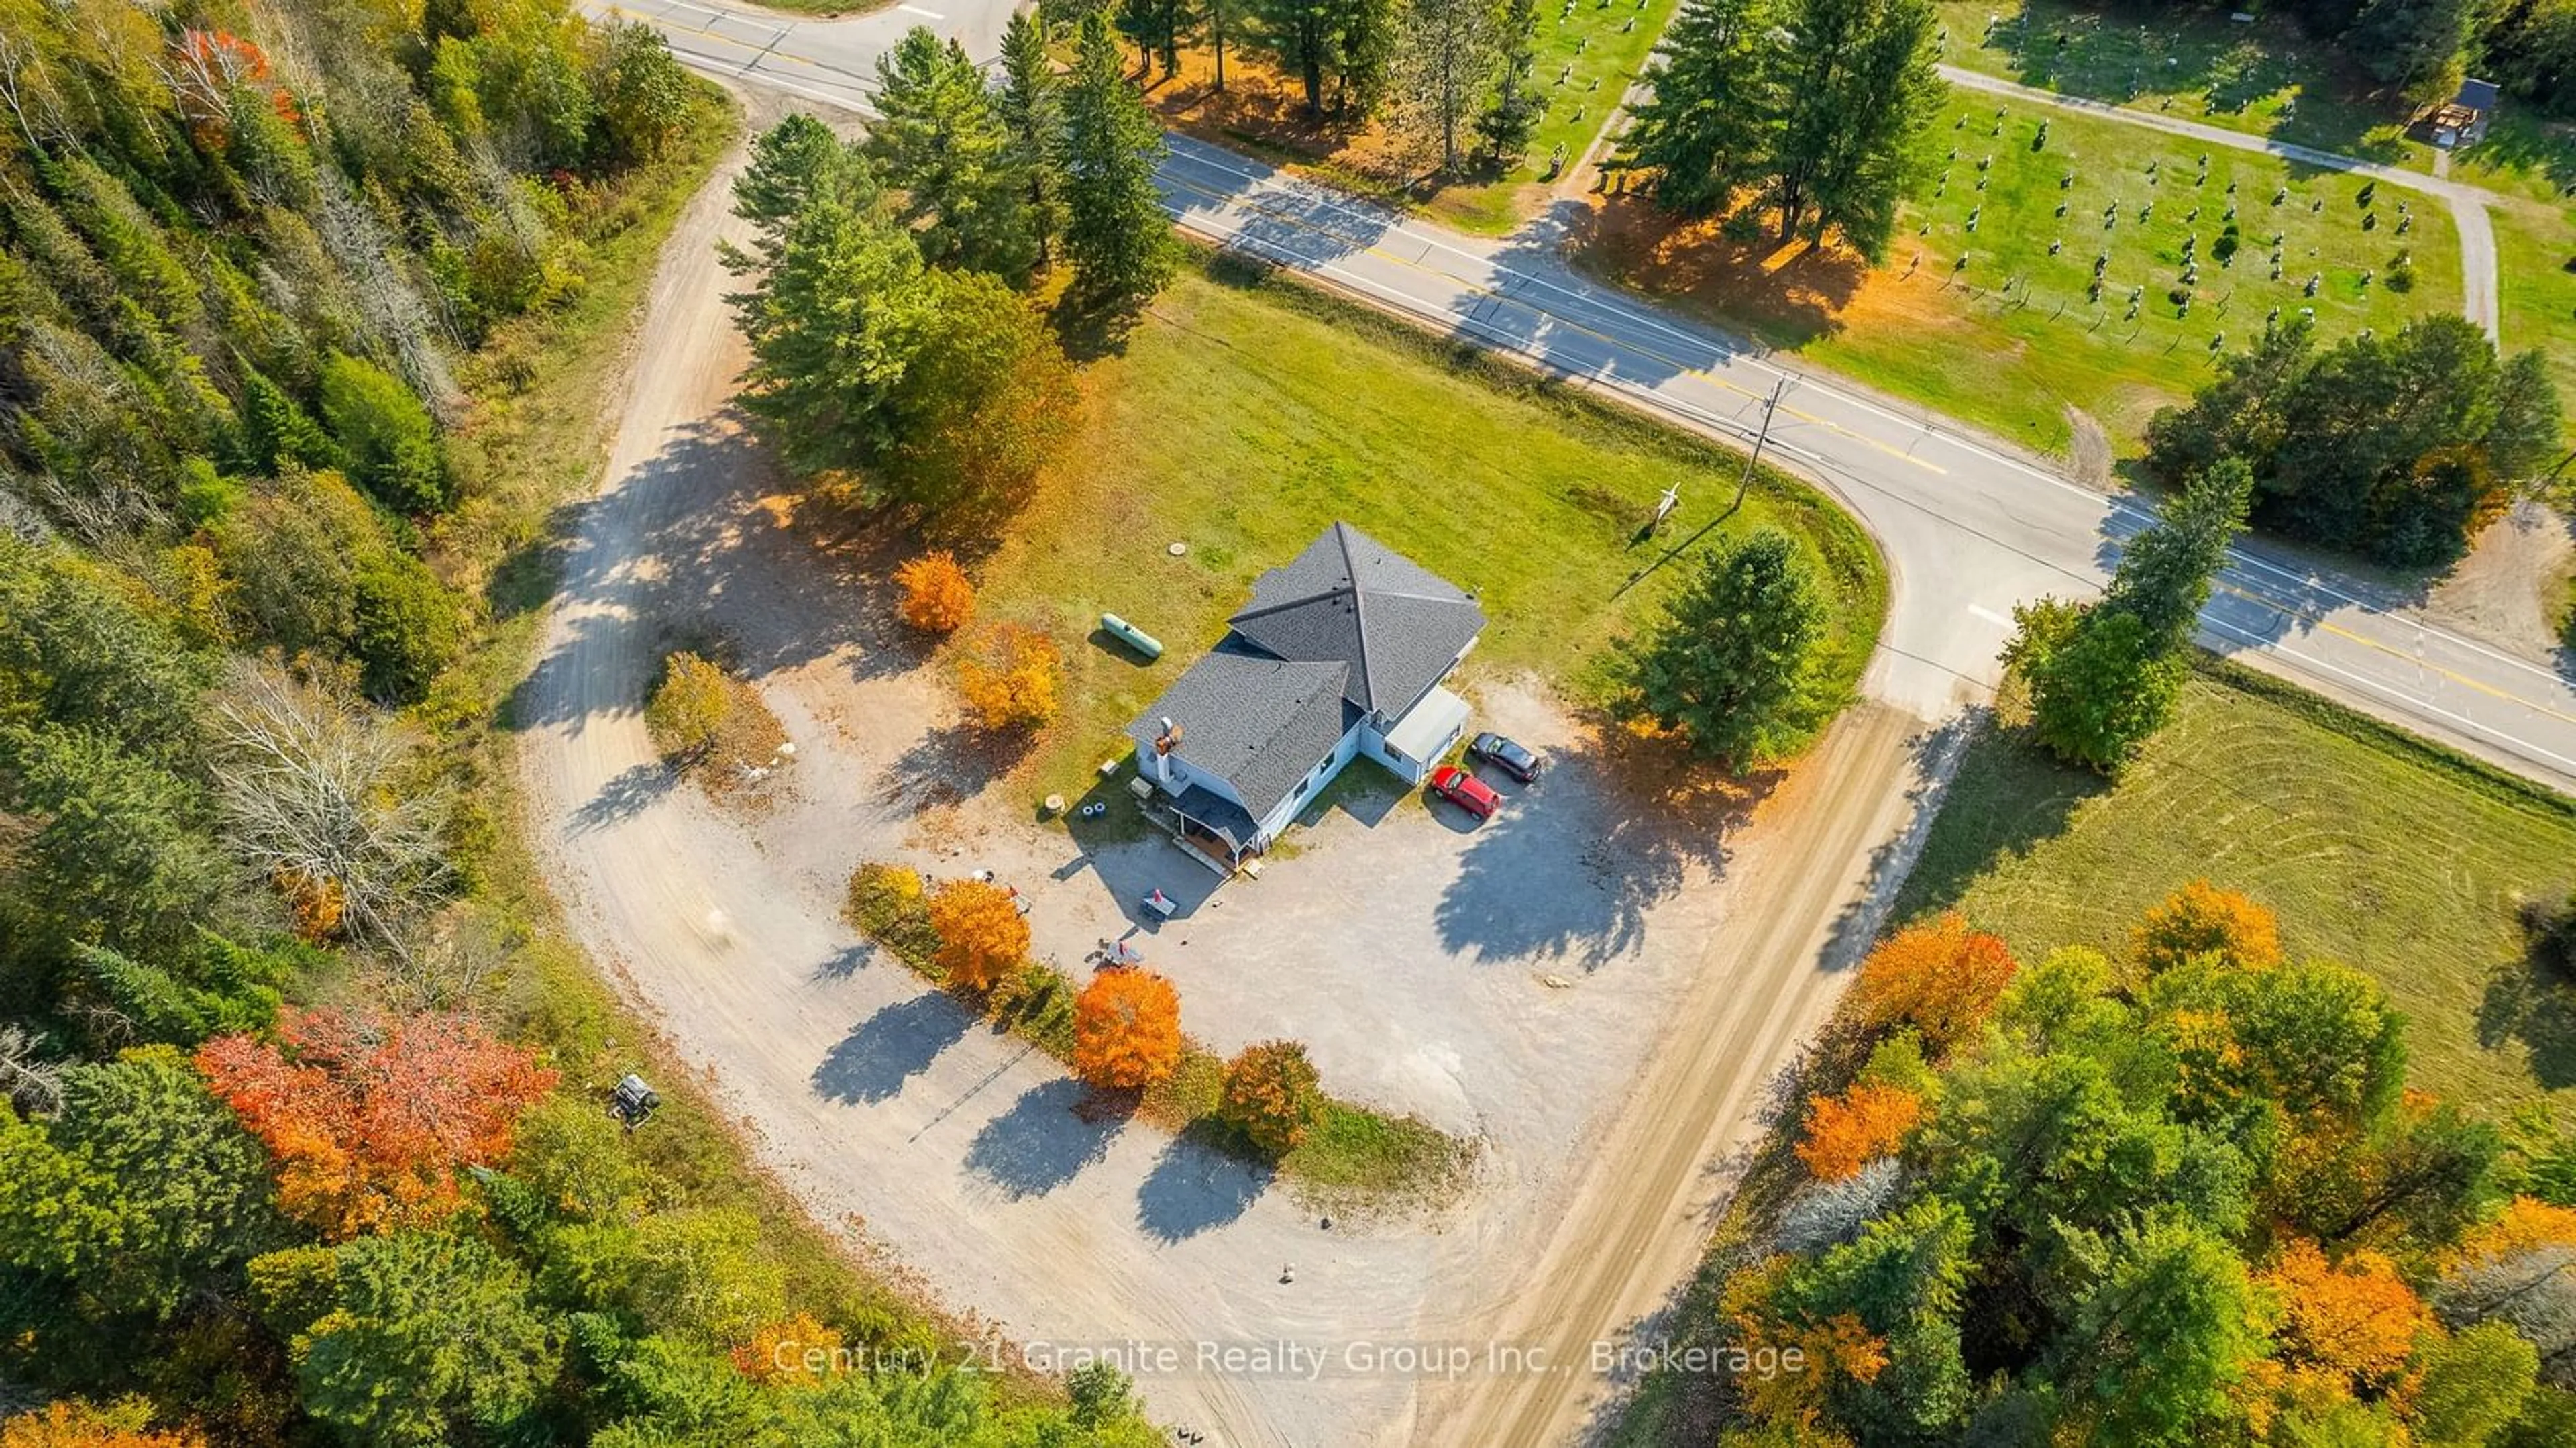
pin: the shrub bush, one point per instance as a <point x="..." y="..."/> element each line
<point x="407" y="628"/>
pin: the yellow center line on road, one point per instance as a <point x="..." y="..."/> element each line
<point x="2325" y="625"/>
<point x="1482" y="290"/>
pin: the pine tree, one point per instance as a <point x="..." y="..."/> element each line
<point x="1032" y="110"/>
<point x="1507" y="124"/>
<point x="1726" y="666"/>
<point x="1115" y="229"/>
<point x="1451" y="53"/>
<point x="943" y="143"/>
<point x="1855" y="89"/>
<point x="1709" y="127"/>
<point x="2167" y="571"/>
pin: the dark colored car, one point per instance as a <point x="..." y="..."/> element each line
<point x="1508" y="755"/>
<point x="1465" y="791"/>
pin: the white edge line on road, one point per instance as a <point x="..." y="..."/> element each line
<point x="2510" y="743"/>
<point x="1979" y="610"/>
<point x="1630" y="310"/>
<point x="924" y="14"/>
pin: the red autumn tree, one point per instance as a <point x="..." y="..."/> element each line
<point x="1940" y="978"/>
<point x="1126" y="1030"/>
<point x="2201" y="919"/>
<point x="982" y="937"/>
<point x="368" y="1119"/>
<point x="1848" y="1132"/>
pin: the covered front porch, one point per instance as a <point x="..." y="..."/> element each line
<point x="1209" y="828"/>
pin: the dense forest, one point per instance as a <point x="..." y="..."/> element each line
<point x="287" y="1151"/>
<point x="2180" y="1196"/>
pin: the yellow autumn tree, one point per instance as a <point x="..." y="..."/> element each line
<point x="1847" y="1132"/>
<point x="1010" y="678"/>
<point x="796" y="1351"/>
<point x="2201" y="919"/>
<point x="982" y="937"/>
<point x="74" y="1424"/>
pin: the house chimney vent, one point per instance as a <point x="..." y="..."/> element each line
<point x="1169" y="739"/>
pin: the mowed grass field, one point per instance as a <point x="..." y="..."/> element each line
<point x="1247" y="412"/>
<point x="2536" y="292"/>
<point x="2267" y="78"/>
<point x="2389" y="856"/>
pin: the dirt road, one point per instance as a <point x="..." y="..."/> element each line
<point x="1845" y="834"/>
<point x="915" y="1129"/>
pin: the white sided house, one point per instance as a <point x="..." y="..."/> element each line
<point x="1340" y="653"/>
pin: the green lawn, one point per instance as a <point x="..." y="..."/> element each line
<point x="1248" y="411"/>
<point x="2388" y="855"/>
<point x="1589" y="53"/>
<point x="2012" y="338"/>
<point x="2268" y="78"/>
<point x="2535" y="243"/>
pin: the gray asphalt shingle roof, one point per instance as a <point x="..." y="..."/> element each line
<point x="1258" y="723"/>
<point x="1349" y="597"/>
<point x="1347" y="627"/>
<point x="2477" y="95"/>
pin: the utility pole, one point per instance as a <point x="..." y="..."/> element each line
<point x="1751" y="459"/>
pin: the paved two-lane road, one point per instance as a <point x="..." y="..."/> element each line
<point x="1969" y="527"/>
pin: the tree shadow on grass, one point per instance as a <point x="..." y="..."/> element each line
<point x="872" y="1063"/>
<point x="2528" y="1000"/>
<point x="1785" y="296"/>
<point x="1196" y="1186"/>
<point x="1043" y="1141"/>
<point x="2007" y="799"/>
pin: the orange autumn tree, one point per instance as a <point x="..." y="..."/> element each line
<point x="75" y="1424"/>
<point x="2356" y="1321"/>
<point x="1126" y="1030"/>
<point x="936" y="596"/>
<point x="1941" y="978"/>
<point x="2201" y="919"/>
<point x="1848" y="1132"/>
<point x="368" y="1118"/>
<point x="982" y="937"/>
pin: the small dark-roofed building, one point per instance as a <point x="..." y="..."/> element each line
<point x="1340" y="653"/>
<point x="2462" y="120"/>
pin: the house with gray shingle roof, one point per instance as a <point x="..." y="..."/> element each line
<point x="1340" y="653"/>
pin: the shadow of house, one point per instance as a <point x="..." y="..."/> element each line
<point x="1195" y="1187"/>
<point x="871" y="1064"/>
<point x="1041" y="1142"/>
